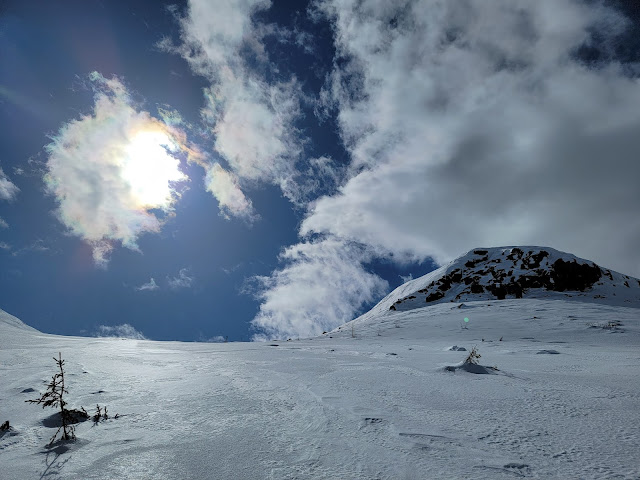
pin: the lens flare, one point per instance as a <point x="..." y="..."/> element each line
<point x="149" y="168"/>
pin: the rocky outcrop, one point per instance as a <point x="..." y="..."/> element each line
<point x="512" y="272"/>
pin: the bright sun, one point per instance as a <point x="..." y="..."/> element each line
<point x="149" y="168"/>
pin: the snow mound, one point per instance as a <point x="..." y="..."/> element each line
<point x="474" y="368"/>
<point x="8" y="321"/>
<point x="514" y="272"/>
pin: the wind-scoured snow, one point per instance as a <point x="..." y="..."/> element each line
<point x="555" y="394"/>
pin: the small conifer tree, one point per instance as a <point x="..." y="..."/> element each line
<point x="54" y="397"/>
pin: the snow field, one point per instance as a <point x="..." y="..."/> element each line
<point x="379" y="405"/>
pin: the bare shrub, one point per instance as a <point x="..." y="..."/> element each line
<point x="473" y="357"/>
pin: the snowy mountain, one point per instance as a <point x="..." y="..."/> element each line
<point x="514" y="272"/>
<point x="554" y="393"/>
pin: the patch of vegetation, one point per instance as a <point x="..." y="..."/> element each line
<point x="473" y="357"/>
<point x="610" y="325"/>
<point x="101" y="414"/>
<point x="54" y="397"/>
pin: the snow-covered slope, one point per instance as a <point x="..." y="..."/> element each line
<point x="514" y="272"/>
<point x="381" y="398"/>
<point x="9" y="321"/>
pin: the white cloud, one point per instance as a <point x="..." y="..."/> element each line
<point x="224" y="186"/>
<point x="5" y="246"/>
<point x="121" y="331"/>
<point x="477" y="125"/>
<point x="468" y="124"/>
<point x="252" y="120"/>
<point x="111" y="171"/>
<point x="3" y="223"/>
<point x="406" y="278"/>
<point x="230" y="270"/>
<point x="212" y="34"/>
<point x="216" y="339"/>
<point x="322" y="285"/>
<point x="183" y="280"/>
<point x="38" y="245"/>
<point x="150" y="286"/>
<point x="8" y="190"/>
<point x="253" y="129"/>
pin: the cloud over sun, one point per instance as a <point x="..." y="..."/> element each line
<point x="114" y="173"/>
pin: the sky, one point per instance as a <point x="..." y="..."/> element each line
<point x="254" y="169"/>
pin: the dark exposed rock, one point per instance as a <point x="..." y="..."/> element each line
<point x="537" y="258"/>
<point x="573" y="276"/>
<point x="473" y="263"/>
<point x="515" y="253"/>
<point x="515" y="289"/>
<point x="514" y="276"/>
<point x="498" y="290"/>
<point x="392" y="307"/>
<point x="434" y="296"/>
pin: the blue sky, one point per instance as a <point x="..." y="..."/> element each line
<point x="258" y="169"/>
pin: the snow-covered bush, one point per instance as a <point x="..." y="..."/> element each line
<point x="473" y="357"/>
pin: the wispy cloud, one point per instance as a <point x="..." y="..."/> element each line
<point x="406" y="278"/>
<point x="5" y="246"/>
<point x="38" y="245"/>
<point x="252" y="119"/>
<point x="184" y="280"/>
<point x="113" y="170"/>
<point x="150" y="286"/>
<point x="467" y="123"/>
<point x="8" y="190"/>
<point x="215" y="339"/>
<point x="230" y="270"/>
<point x="224" y="186"/>
<point x="322" y="285"/>
<point x="120" y="331"/>
<point x="3" y="223"/>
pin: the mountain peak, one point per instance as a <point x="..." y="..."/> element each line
<point x="515" y="272"/>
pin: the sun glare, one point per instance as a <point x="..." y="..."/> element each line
<point x="149" y="168"/>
